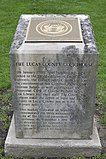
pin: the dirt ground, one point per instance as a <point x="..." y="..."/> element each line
<point x="101" y="127"/>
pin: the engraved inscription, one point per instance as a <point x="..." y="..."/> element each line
<point x="51" y="94"/>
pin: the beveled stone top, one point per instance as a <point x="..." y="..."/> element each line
<point x="54" y="29"/>
<point x="86" y="30"/>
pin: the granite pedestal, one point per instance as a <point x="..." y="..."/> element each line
<point x="51" y="147"/>
<point x="54" y="62"/>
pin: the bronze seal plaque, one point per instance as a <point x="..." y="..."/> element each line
<point x="54" y="29"/>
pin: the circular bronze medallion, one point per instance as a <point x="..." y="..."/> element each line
<point x="53" y="28"/>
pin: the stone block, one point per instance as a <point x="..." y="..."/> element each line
<point x="51" y="147"/>
<point x="53" y="72"/>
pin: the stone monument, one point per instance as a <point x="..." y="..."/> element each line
<point x="53" y="71"/>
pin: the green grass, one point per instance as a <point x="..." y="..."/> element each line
<point x="10" y="11"/>
<point x="5" y="97"/>
<point x="103" y="118"/>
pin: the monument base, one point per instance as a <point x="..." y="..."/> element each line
<point x="51" y="147"/>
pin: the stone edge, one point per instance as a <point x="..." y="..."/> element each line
<point x="51" y="147"/>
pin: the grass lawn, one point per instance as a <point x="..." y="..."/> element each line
<point x="10" y="11"/>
